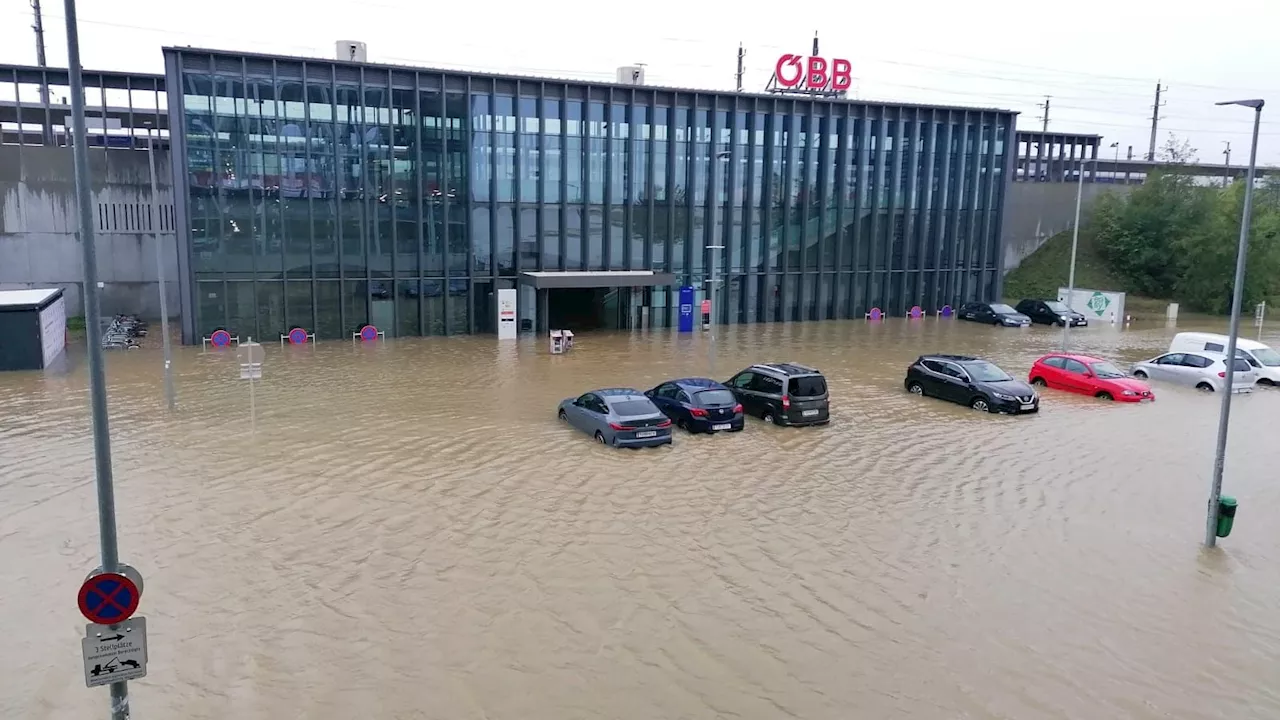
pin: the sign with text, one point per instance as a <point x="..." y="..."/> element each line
<point x="812" y="75"/>
<point x="114" y="653"/>
<point x="686" y="309"/>
<point x="507" y="314"/>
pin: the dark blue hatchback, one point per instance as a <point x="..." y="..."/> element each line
<point x="698" y="405"/>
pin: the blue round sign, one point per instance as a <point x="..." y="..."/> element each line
<point x="220" y="338"/>
<point x="368" y="332"/>
<point x="108" y="598"/>
<point x="298" y="336"/>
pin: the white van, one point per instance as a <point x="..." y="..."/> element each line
<point x="1265" y="360"/>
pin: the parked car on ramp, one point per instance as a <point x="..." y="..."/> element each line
<point x="621" y="417"/>
<point x="698" y="405"/>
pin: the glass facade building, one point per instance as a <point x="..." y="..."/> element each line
<point x="327" y="195"/>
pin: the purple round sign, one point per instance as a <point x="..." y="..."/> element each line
<point x="876" y="314"/>
<point x="298" y="336"/>
<point x="220" y="338"/>
<point x="946" y="311"/>
<point x="916" y="312"/>
<point x="368" y="332"/>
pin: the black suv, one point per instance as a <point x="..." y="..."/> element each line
<point x="1051" y="312"/>
<point x="783" y="393"/>
<point x="970" y="381"/>
<point x="993" y="314"/>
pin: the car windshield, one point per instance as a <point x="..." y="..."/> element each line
<point x="713" y="398"/>
<point x="810" y="386"/>
<point x="1057" y="307"/>
<point x="1002" y="308"/>
<point x="628" y="408"/>
<point x="985" y="372"/>
<point x="1106" y="370"/>
<point x="1267" y="356"/>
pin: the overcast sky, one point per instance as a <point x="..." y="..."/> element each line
<point x="1099" y="59"/>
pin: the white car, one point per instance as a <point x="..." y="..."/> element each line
<point x="1265" y="361"/>
<point x="1205" y="371"/>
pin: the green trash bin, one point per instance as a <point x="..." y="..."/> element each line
<point x="1226" y="515"/>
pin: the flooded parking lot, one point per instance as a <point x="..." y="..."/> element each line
<point x="405" y="531"/>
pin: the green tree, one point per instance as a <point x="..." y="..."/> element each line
<point x="1208" y="252"/>
<point x="1137" y="234"/>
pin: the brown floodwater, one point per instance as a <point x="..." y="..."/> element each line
<point x="405" y="531"/>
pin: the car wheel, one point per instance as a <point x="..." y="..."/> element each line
<point x="980" y="404"/>
<point x="599" y="437"/>
<point x="562" y="416"/>
<point x="1105" y="396"/>
<point x="768" y="417"/>
<point x="915" y="388"/>
<point x="1204" y="387"/>
<point x="1139" y="374"/>
<point x="1267" y="382"/>
<point x="1039" y="382"/>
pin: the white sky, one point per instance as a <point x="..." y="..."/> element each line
<point x="1098" y="59"/>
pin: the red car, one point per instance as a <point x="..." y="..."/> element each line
<point x="1088" y="376"/>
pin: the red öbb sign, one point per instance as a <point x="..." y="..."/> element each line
<point x="797" y="72"/>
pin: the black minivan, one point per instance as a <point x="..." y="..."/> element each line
<point x="783" y="393"/>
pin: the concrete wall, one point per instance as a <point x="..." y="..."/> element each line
<point x="1036" y="211"/>
<point x="39" y="227"/>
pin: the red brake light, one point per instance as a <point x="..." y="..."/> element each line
<point x="737" y="408"/>
<point x="786" y="402"/>
<point x="698" y="412"/>
<point x="616" y="426"/>
<point x="1222" y="374"/>
<point x="664" y="424"/>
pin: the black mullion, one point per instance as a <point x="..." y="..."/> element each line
<point x="392" y="203"/>
<point x="494" y="148"/>
<point x="841" y="121"/>
<point x="338" y="198"/>
<point x="671" y="190"/>
<point x="691" y="142"/>
<point x="766" y="205"/>
<point x="419" y="200"/>
<point x="516" y="166"/>
<point x="538" y="224"/>
<point x="278" y="115"/>
<point x="651" y="116"/>
<point x="446" y="177"/>
<point x="941" y="276"/>
<point x="726" y="232"/>
<point x="564" y="176"/>
<point x="925" y="227"/>
<point x="606" y="215"/>
<point x="366" y="231"/>
<point x="253" y="236"/>
<point x="749" y="200"/>
<point x="628" y="180"/>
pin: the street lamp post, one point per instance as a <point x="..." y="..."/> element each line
<point x="712" y="249"/>
<point x="1075" y="242"/>
<point x="1237" y="298"/>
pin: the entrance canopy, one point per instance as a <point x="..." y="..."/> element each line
<point x="553" y="279"/>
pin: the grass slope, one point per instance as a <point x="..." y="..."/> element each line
<point x="1045" y="270"/>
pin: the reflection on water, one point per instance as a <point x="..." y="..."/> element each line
<point x="409" y="533"/>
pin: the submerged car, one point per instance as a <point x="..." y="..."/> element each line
<point x="621" y="417"/>
<point x="698" y="405"/>
<point x="783" y="393"/>
<point x="970" y="381"/>
<point x="1088" y="375"/>
<point x="1051" y="312"/>
<point x="993" y="314"/>
<point x="1205" y="371"/>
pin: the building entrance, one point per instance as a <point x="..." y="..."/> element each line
<point x="579" y="309"/>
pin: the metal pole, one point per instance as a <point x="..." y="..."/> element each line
<point x="1237" y="298"/>
<point x="97" y="378"/>
<point x="712" y="249"/>
<point x="1075" y="242"/>
<point x="164" y="301"/>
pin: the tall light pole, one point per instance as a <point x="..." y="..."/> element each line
<point x="108" y="546"/>
<point x="1237" y="298"/>
<point x="720" y="158"/>
<point x="1115" y="164"/>
<point x="164" y="301"/>
<point x="1075" y="242"/>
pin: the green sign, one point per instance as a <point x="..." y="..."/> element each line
<point x="1098" y="303"/>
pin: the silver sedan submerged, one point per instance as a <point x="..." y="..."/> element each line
<point x="621" y="417"/>
<point x="1205" y="371"/>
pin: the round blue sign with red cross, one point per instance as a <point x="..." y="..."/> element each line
<point x="108" y="598"/>
<point x="298" y="336"/>
<point x="368" y="332"/>
<point x="220" y="338"/>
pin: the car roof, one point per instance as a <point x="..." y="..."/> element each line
<point x="696" y="383"/>
<point x="1086" y="359"/>
<point x="952" y="358"/>
<point x="1241" y="342"/>
<point x="618" y="393"/>
<point x="789" y="369"/>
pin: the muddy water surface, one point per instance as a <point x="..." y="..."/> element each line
<point x="405" y="531"/>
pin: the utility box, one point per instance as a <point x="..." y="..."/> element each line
<point x="631" y="75"/>
<point x="352" y="51"/>
<point x="33" y="328"/>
